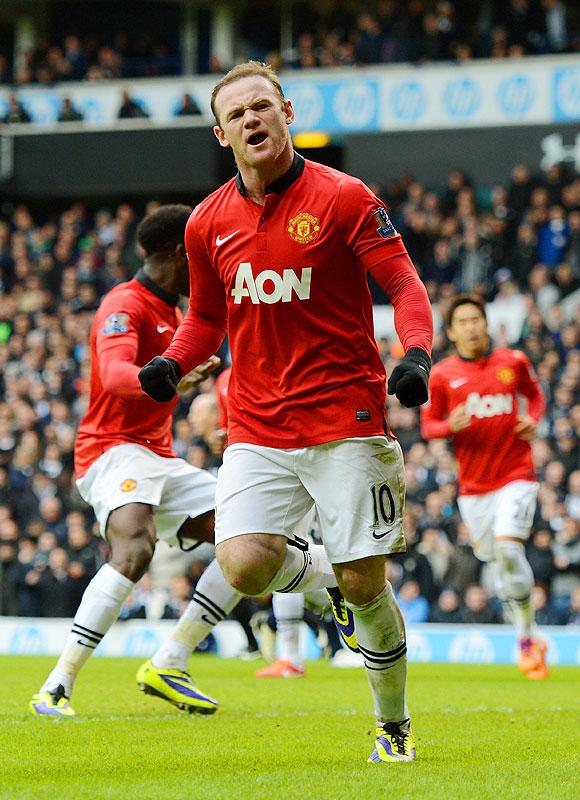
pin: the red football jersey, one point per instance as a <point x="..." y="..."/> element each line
<point x="489" y="453"/>
<point x="290" y="279"/>
<point x="135" y="322"/>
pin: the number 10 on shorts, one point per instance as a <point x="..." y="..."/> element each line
<point x="384" y="511"/>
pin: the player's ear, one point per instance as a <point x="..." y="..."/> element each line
<point x="450" y="335"/>
<point x="289" y="112"/>
<point x="220" y="136"/>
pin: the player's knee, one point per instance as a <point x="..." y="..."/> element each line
<point x="249" y="566"/>
<point x="132" y="554"/>
<point x="515" y="572"/>
<point x="362" y="580"/>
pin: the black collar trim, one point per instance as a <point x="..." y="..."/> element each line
<point x="487" y="353"/>
<point x="282" y="183"/>
<point x="145" y="280"/>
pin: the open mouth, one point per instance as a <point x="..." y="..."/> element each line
<point x="257" y="138"/>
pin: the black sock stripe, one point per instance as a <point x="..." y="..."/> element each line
<point x="88" y="630"/>
<point x="86" y="636"/>
<point x="522" y="600"/>
<point x="384" y="664"/>
<point x="219" y="611"/>
<point x="388" y="660"/>
<point x="209" y="609"/>
<point x="288" y="619"/>
<point x="377" y="669"/>
<point x="295" y="581"/>
<point x="84" y="644"/>
<point x="382" y="653"/>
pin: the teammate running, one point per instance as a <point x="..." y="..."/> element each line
<point x="140" y="491"/>
<point x="475" y="400"/>
<point x="279" y="256"/>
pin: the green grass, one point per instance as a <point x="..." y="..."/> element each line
<point x="482" y="732"/>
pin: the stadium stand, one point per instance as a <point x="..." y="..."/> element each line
<point x="518" y="245"/>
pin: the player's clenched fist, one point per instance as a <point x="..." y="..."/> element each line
<point x="159" y="378"/>
<point x="459" y="419"/>
<point x="410" y="379"/>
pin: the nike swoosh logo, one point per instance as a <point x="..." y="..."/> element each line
<point x="162" y="328"/>
<point x="459" y="382"/>
<point x="219" y="241"/>
<point x="378" y="536"/>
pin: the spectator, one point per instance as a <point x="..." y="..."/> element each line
<point x="541" y="556"/>
<point x="477" y="609"/>
<point x="16" y="112"/>
<point x="68" y="112"/>
<point x="447" y="609"/>
<point x="545" y="612"/>
<point x="414" y="606"/>
<point x="188" y="107"/>
<point x="130" y="108"/>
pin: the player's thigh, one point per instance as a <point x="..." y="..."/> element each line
<point x="185" y="514"/>
<point x="123" y="475"/>
<point x="358" y="486"/>
<point x="258" y="491"/>
<point x="478" y="511"/>
<point x="515" y="507"/>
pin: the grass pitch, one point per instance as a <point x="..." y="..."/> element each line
<point x="482" y="732"/>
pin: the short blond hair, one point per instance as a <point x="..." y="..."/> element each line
<point x="246" y="70"/>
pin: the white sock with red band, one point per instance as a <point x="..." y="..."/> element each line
<point x="99" y="609"/>
<point x="213" y="599"/>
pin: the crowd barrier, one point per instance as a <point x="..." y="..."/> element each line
<point x="467" y="644"/>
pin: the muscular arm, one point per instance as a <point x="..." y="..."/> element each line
<point x="204" y="326"/>
<point x="434" y="421"/>
<point x="530" y="387"/>
<point x="413" y="316"/>
<point x="118" y="369"/>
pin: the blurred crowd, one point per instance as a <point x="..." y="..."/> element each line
<point x="518" y="245"/>
<point x="324" y="35"/>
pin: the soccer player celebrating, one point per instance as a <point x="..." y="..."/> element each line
<point x="475" y="400"/>
<point x="127" y="470"/>
<point x="279" y="256"/>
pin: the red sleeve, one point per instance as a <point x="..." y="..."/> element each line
<point x="413" y="315"/>
<point x="202" y="331"/>
<point x="434" y="424"/>
<point x="369" y="233"/>
<point x="530" y="387"/>
<point x="117" y="344"/>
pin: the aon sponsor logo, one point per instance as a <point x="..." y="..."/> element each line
<point x="270" y="287"/>
<point x="489" y="405"/>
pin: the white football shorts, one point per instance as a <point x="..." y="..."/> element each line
<point x="130" y="473"/>
<point x="356" y="485"/>
<point x="508" y="511"/>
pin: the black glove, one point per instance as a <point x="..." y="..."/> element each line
<point x="410" y="379"/>
<point x="159" y="378"/>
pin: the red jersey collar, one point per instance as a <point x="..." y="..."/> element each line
<point x="286" y="180"/>
<point x="145" y="280"/>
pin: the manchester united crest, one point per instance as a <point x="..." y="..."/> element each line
<point x="304" y="228"/>
<point x="506" y="375"/>
<point x="129" y="485"/>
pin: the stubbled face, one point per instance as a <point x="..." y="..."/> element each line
<point x="468" y="330"/>
<point x="253" y="121"/>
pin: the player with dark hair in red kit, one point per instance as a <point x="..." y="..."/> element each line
<point x="476" y="400"/>
<point x="279" y="257"/>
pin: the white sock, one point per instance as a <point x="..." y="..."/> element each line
<point x="516" y="579"/>
<point x="305" y="568"/>
<point x="380" y="632"/>
<point x="99" y="608"/>
<point x="289" y="612"/>
<point x="213" y="599"/>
